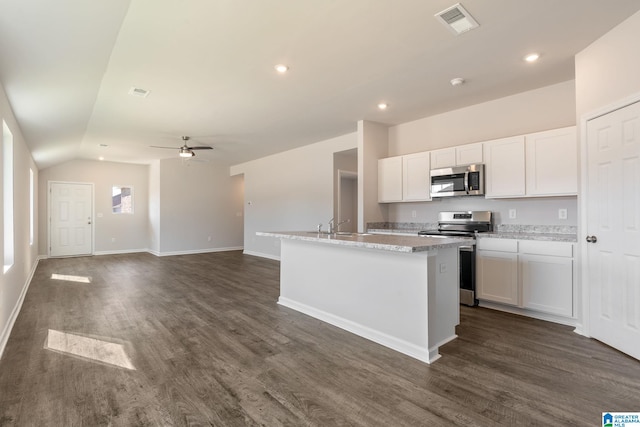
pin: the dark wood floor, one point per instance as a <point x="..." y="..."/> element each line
<point x="210" y="346"/>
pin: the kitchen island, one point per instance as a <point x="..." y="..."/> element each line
<point x="399" y="291"/>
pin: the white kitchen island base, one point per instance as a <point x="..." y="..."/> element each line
<point x="405" y="301"/>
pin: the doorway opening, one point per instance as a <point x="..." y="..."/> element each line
<point x="345" y="200"/>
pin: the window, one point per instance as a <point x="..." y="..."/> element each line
<point x="7" y="175"/>
<point x="122" y="199"/>
<point x="32" y="201"/>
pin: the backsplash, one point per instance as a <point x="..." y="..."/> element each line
<point x="402" y="226"/>
<point x="500" y="228"/>
<point x="534" y="210"/>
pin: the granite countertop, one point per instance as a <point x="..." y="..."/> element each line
<point x="548" y="237"/>
<point x="549" y="233"/>
<point x="386" y="242"/>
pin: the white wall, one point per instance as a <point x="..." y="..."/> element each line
<point x="609" y="69"/>
<point x="13" y="283"/>
<point x="200" y="207"/>
<point x="545" y="108"/>
<point x="292" y="190"/>
<point x="154" y="207"/>
<point x="373" y="144"/>
<point x="129" y="232"/>
<point x="541" y="109"/>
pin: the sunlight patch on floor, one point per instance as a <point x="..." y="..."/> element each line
<point x="81" y="279"/>
<point x="88" y="348"/>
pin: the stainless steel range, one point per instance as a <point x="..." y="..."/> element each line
<point x="464" y="224"/>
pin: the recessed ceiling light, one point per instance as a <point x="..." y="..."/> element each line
<point x="532" y="57"/>
<point x="103" y="145"/>
<point x="383" y="106"/>
<point x="281" y="68"/>
<point x="101" y="158"/>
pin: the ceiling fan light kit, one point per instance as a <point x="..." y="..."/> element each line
<point x="185" y="152"/>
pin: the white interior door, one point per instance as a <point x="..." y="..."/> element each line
<point x="70" y="209"/>
<point x="613" y="228"/>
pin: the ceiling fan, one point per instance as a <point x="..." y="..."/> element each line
<point x="185" y="150"/>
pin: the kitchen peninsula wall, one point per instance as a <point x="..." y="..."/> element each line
<point x="292" y="190"/>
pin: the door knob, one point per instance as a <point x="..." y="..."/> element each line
<point x="592" y="239"/>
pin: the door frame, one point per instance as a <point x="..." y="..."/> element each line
<point x="93" y="209"/>
<point x="583" y="325"/>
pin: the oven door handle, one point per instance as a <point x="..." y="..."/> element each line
<point x="466" y="248"/>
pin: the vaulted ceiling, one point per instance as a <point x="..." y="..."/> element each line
<point x="68" y="66"/>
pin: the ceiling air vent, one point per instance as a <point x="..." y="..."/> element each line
<point x="457" y="19"/>
<point x="136" y="91"/>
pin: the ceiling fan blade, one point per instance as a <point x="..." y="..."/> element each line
<point x="171" y="148"/>
<point x="201" y="147"/>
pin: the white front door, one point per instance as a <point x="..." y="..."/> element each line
<point x="613" y="228"/>
<point x="70" y="229"/>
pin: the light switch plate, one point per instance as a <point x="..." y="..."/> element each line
<point x="512" y="214"/>
<point x="562" y="213"/>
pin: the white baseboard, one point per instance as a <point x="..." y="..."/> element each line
<point x="124" y="251"/>
<point x="378" y="337"/>
<point x="196" y="251"/>
<point x="4" y="337"/>
<point x="262" y="255"/>
<point x="529" y="313"/>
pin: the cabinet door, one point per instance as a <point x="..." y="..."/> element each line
<point x="547" y="284"/>
<point x="497" y="277"/>
<point x="390" y="179"/>
<point x="552" y="162"/>
<point x="443" y="158"/>
<point x="505" y="167"/>
<point x="469" y="154"/>
<point x="416" y="183"/>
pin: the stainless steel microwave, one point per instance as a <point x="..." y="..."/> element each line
<point x="458" y="181"/>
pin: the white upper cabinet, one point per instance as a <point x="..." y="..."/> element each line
<point x="416" y="183"/>
<point x="505" y="167"/>
<point x="443" y="158"/>
<point x="390" y="179"/>
<point x="469" y="154"/>
<point x="404" y="178"/>
<point x="456" y="156"/>
<point x="552" y="162"/>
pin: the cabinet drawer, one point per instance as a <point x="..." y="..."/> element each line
<point x="502" y="245"/>
<point x="534" y="247"/>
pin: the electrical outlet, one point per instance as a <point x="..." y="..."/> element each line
<point x="443" y="268"/>
<point x="113" y="239"/>
<point x="209" y="239"/>
<point x="562" y="213"/>
<point x="414" y="214"/>
<point x="512" y="214"/>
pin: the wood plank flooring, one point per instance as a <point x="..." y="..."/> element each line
<point x="210" y="346"/>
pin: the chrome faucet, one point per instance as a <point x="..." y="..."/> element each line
<point x="333" y="228"/>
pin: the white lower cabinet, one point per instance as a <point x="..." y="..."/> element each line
<point x="497" y="271"/>
<point x="537" y="276"/>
